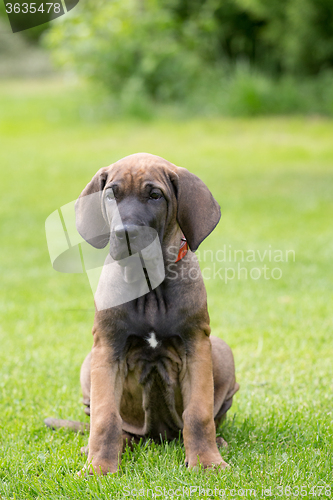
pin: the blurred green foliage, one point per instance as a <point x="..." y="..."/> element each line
<point x="172" y="50"/>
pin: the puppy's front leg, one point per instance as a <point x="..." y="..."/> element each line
<point x="105" y="441"/>
<point x="198" y="400"/>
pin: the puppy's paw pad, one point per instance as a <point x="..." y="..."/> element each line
<point x="84" y="450"/>
<point x="221" y="443"/>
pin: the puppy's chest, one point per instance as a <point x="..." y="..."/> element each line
<point x="149" y="343"/>
<point x="150" y="337"/>
<point x="153" y="332"/>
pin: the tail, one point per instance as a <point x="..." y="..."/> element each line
<point x="57" y="423"/>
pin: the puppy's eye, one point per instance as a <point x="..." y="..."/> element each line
<point x="155" y="195"/>
<point x="109" y="194"/>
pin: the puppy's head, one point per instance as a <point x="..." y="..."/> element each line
<point x="127" y="203"/>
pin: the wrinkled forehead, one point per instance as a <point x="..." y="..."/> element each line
<point x="135" y="172"/>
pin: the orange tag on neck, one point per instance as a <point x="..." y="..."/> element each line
<point x="183" y="249"/>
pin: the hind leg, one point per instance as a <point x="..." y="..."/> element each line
<point x="85" y="380"/>
<point x="225" y="384"/>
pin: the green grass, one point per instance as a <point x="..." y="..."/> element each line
<point x="274" y="181"/>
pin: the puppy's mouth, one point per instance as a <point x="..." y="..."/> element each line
<point x="118" y="253"/>
<point x="137" y="251"/>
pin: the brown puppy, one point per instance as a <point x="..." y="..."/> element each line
<point x="153" y="369"/>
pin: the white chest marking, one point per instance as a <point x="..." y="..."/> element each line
<point x="152" y="341"/>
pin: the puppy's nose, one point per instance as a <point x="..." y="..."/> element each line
<point x="130" y="229"/>
<point x="119" y="231"/>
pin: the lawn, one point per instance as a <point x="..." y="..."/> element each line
<point x="273" y="178"/>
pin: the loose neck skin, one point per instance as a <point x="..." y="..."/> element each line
<point x="171" y="245"/>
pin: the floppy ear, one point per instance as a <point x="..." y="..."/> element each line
<point x="197" y="212"/>
<point x="90" y="222"/>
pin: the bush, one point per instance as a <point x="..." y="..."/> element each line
<point x="127" y="49"/>
<point x="230" y="56"/>
<point x="248" y="92"/>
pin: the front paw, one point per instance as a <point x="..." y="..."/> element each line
<point x="99" y="467"/>
<point x="206" y="461"/>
